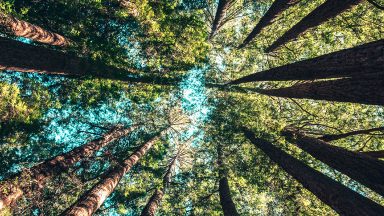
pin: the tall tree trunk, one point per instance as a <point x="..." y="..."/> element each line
<point x="40" y="173"/>
<point x="155" y="200"/>
<point x="226" y="202"/>
<point x="153" y="203"/>
<point x="321" y="14"/>
<point x="374" y="154"/>
<point x="277" y="7"/>
<point x="22" y="57"/>
<point x="364" y="169"/>
<point x="220" y="14"/>
<point x="363" y="90"/>
<point x="354" y="62"/>
<point x="91" y="200"/>
<point x="27" y="30"/>
<point x="332" y="137"/>
<point x="339" y="197"/>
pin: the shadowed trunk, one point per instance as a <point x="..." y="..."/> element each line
<point x="155" y="200"/>
<point x="153" y="203"/>
<point x="339" y="197"/>
<point x="39" y="174"/>
<point x="91" y="200"/>
<point x="321" y="14"/>
<point x="374" y="154"/>
<point x="277" y="7"/>
<point x="332" y="137"/>
<point x="354" y="62"/>
<point x="220" y="14"/>
<point x="22" y="57"/>
<point x="226" y="202"/>
<point x="362" y="168"/>
<point x="363" y="91"/>
<point x="27" y="30"/>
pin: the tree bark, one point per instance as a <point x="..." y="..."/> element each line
<point x="90" y="201"/>
<point x="342" y="199"/>
<point x="277" y="7"/>
<point x="363" y="91"/>
<point x="155" y="200"/>
<point x="332" y="137"/>
<point x="354" y="62"/>
<point x="24" y="29"/>
<point x="226" y="202"/>
<point x="220" y="14"/>
<point x="22" y="57"/>
<point x="374" y="154"/>
<point x="362" y="168"/>
<point x="321" y="14"/>
<point x="40" y="173"/>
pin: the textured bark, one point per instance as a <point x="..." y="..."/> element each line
<point x="362" y="168"/>
<point x="22" y="57"/>
<point x="153" y="203"/>
<point x="226" y="202"/>
<point x="321" y="14"/>
<point x="27" y="30"/>
<point x="332" y="137"/>
<point x="342" y="199"/>
<point x="354" y="62"/>
<point x="155" y="200"/>
<point x="40" y="173"/>
<point x="375" y="154"/>
<point x="363" y="91"/>
<point x="277" y="7"/>
<point x="90" y="201"/>
<point x="220" y="14"/>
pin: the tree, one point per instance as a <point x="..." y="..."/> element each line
<point x="91" y="200"/>
<point x="342" y="199"/>
<point x="366" y="90"/>
<point x="227" y="204"/>
<point x="321" y="14"/>
<point x="155" y="200"/>
<point x="220" y="14"/>
<point x="22" y="57"/>
<point x="362" y="168"/>
<point x="277" y="7"/>
<point x="374" y="154"/>
<point x="41" y="172"/>
<point x="25" y="29"/>
<point x="353" y="62"/>
<point x="333" y="137"/>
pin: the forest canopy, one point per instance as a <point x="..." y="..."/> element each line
<point x="191" y="107"/>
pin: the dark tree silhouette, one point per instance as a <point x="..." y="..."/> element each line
<point x="364" y="169"/>
<point x="342" y="199"/>
<point x="321" y="14"/>
<point x="332" y="137"/>
<point x="277" y="7"/>
<point x="220" y="15"/>
<point x="354" y="62"/>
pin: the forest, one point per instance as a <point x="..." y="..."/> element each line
<point x="191" y="107"/>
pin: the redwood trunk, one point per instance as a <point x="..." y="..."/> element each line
<point x="364" y="169"/>
<point x="277" y="7"/>
<point x="153" y="203"/>
<point x="220" y="14"/>
<point x="226" y="202"/>
<point x="339" y="197"/>
<point x="332" y="137"/>
<point x="22" y="57"/>
<point x="155" y="200"/>
<point x="90" y="201"/>
<point x="363" y="91"/>
<point x="354" y="62"/>
<point x="27" y="30"/>
<point x="374" y="154"/>
<point x="40" y="173"/>
<point x="321" y="14"/>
